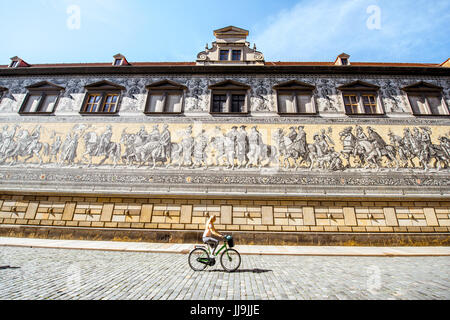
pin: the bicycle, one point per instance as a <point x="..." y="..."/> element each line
<point x="200" y="257"/>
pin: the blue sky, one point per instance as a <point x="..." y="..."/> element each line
<point x="176" y="30"/>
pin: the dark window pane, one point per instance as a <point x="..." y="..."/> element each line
<point x="435" y="104"/>
<point x="224" y="55"/>
<point x="370" y="104"/>
<point x="236" y="55"/>
<point x="219" y="102"/>
<point x="351" y="104"/>
<point x="418" y="104"/>
<point x="118" y="62"/>
<point x="48" y="105"/>
<point x="33" y="103"/>
<point x="237" y="103"/>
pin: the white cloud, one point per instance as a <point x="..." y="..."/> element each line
<point x="319" y="30"/>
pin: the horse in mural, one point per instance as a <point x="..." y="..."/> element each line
<point x="25" y="145"/>
<point x="98" y="146"/>
<point x="372" y="155"/>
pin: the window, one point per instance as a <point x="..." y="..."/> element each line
<point x="219" y="102"/>
<point x="93" y="102"/>
<point x="361" y="98"/>
<point x="426" y="99"/>
<point x="295" y="97"/>
<point x="236" y="55"/>
<point x="344" y="61"/>
<point x="360" y="104"/>
<point x="426" y="104"/>
<point x="118" y="62"/>
<point x="165" y="97"/>
<point x="42" y="98"/>
<point x="351" y="104"/>
<point x="237" y="102"/>
<point x="229" y="97"/>
<point x="229" y="102"/>
<point x="102" y="103"/>
<point x="102" y="98"/>
<point x="295" y="102"/>
<point x="111" y="101"/>
<point x="165" y="102"/>
<point x="224" y="55"/>
<point x="14" y="64"/>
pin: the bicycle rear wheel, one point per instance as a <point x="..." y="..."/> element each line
<point x="230" y="260"/>
<point x="198" y="259"/>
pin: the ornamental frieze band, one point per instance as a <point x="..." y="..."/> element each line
<point x="225" y="155"/>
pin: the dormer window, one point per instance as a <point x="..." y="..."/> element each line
<point x="426" y="99"/>
<point x="236" y="55"/>
<point x="102" y="98"/>
<point x="342" y="60"/>
<point x="120" y="60"/>
<point x="295" y="98"/>
<point x="42" y="98"/>
<point x="224" y="54"/>
<point x="17" y="62"/>
<point x="229" y="97"/>
<point x="361" y="98"/>
<point x="165" y="97"/>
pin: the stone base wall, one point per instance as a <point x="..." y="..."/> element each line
<point x="233" y="215"/>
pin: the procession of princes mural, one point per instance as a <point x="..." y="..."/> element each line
<point x="239" y="148"/>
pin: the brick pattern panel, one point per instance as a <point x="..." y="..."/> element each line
<point x="232" y="215"/>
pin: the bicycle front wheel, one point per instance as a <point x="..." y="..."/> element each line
<point x="230" y="260"/>
<point x="198" y="259"/>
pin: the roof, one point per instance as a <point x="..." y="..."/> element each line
<point x="279" y="63"/>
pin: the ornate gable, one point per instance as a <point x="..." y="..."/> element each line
<point x="229" y="85"/>
<point x="294" y="85"/>
<point x="45" y="86"/>
<point x="104" y="85"/>
<point x="422" y="86"/>
<point x="230" y="48"/>
<point x="166" y="85"/>
<point x="359" y="86"/>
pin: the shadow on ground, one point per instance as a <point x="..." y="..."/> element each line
<point x="244" y="271"/>
<point x="8" y="267"/>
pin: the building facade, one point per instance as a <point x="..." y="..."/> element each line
<point x="281" y="152"/>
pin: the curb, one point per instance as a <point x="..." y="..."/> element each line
<point x="245" y="250"/>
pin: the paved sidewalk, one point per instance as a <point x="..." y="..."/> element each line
<point x="244" y="249"/>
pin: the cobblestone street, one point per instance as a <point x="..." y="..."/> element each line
<point x="57" y="274"/>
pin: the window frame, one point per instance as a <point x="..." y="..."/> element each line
<point x="229" y="88"/>
<point x="103" y="94"/>
<point x="165" y="87"/>
<point x="103" y="89"/>
<point x="295" y="88"/>
<point x="425" y="91"/>
<point x="42" y="89"/>
<point x="223" y="51"/>
<point x="233" y="52"/>
<point x="118" y="62"/>
<point x="229" y="102"/>
<point x="361" y="105"/>
<point x="361" y="89"/>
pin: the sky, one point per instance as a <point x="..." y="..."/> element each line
<point x="80" y="31"/>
